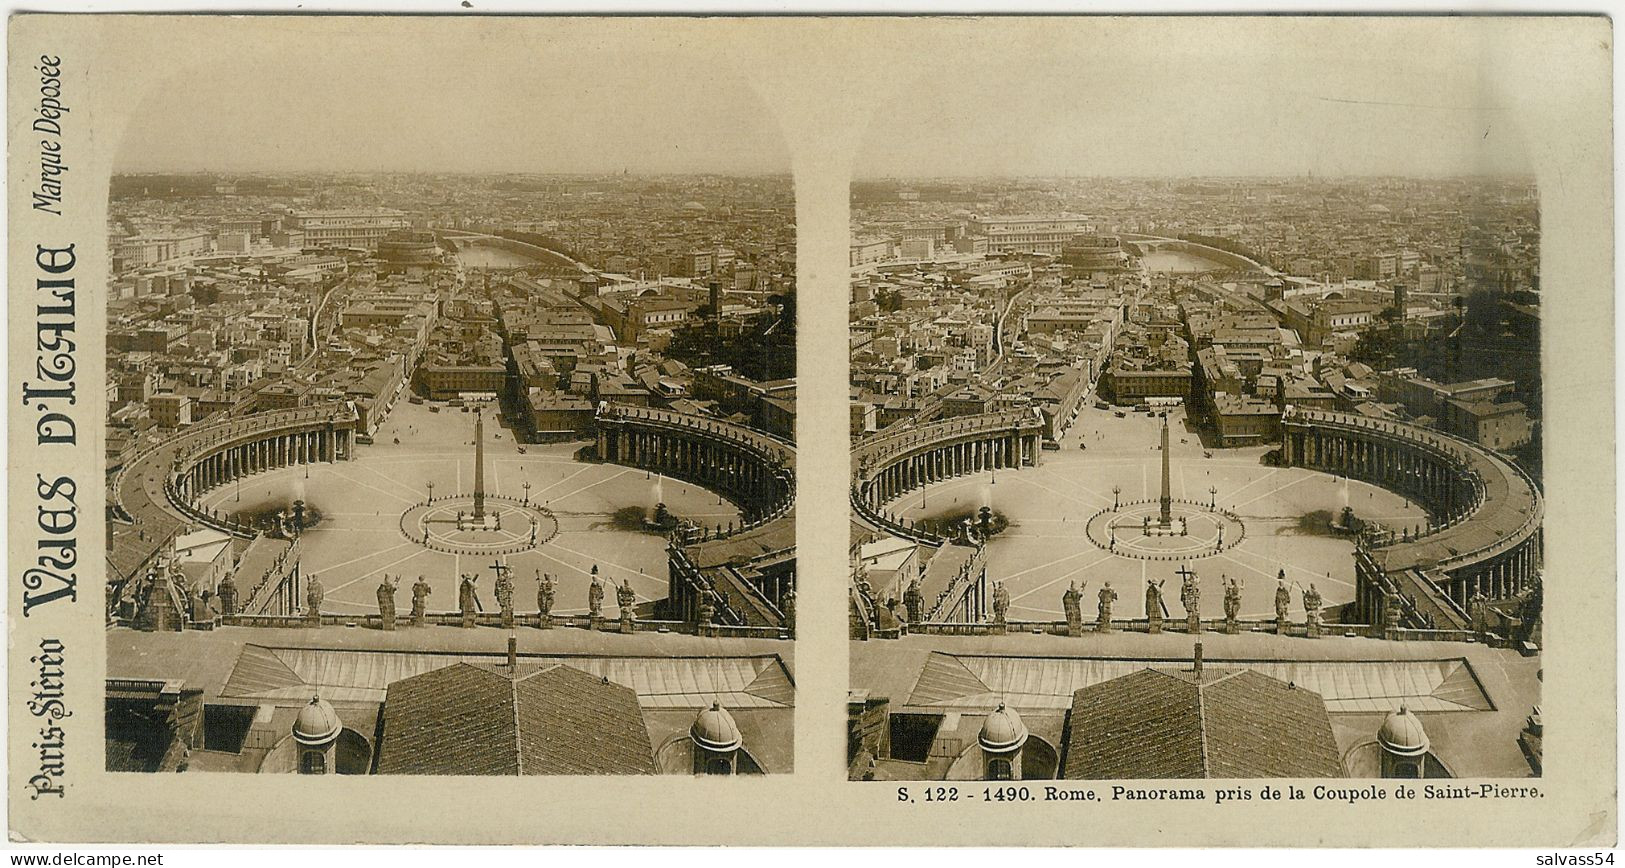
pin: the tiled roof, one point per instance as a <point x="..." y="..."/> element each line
<point x="1233" y="723"/>
<point x="477" y="719"/>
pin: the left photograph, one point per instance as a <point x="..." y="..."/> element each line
<point x="450" y="419"/>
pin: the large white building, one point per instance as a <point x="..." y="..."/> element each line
<point x="351" y="228"/>
<point x="1044" y="233"/>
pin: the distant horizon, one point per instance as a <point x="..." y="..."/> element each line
<point x="124" y="173"/>
<point x="1240" y="176"/>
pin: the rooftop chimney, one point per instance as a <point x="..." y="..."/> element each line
<point x="1196" y="664"/>
<point x="513" y="655"/>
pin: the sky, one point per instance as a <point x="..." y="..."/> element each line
<point x="1172" y="97"/>
<point x="1229" y="104"/>
<point x="343" y="104"/>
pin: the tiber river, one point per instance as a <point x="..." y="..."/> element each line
<point x="482" y="256"/>
<point x="1178" y="262"/>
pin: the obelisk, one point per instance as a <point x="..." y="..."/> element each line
<point x="1167" y="518"/>
<point x="479" y="466"/>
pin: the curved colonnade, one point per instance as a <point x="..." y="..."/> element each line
<point x="1483" y="536"/>
<point x="154" y="497"/>
<point x="166" y="481"/>
<point x="753" y="469"/>
<point x="745" y="574"/>
<point x="893" y="463"/>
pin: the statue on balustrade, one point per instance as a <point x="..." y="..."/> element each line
<point x="314" y="593"/>
<point x="1311" y="608"/>
<point x="198" y="605"/>
<point x="1072" y="604"/>
<point x="1232" y="598"/>
<point x="544" y="595"/>
<point x="1103" y="615"/>
<point x="1232" y="603"/>
<point x="1001" y="602"/>
<point x="1153" y="599"/>
<point x="1477" y="611"/>
<point x="708" y="615"/>
<point x="386" y="602"/>
<point x="1390" y="611"/>
<point x="914" y="601"/>
<point x="420" y="599"/>
<point x="1190" y="594"/>
<point x="595" y="597"/>
<point x="503" y="588"/>
<point x="228" y="595"/>
<point x="788" y="607"/>
<point x="1283" y="597"/>
<point x="625" y="600"/>
<point x="467" y="601"/>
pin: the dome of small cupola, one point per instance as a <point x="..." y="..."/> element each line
<point x="714" y="729"/>
<point x="317" y="723"/>
<point x="1002" y="731"/>
<point x="1402" y="734"/>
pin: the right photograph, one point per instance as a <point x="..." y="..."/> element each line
<point x="1195" y="424"/>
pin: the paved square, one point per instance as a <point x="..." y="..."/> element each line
<point x="359" y="536"/>
<point x="1049" y="506"/>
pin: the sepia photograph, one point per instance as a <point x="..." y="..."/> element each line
<point x="1196" y="432"/>
<point x="410" y="447"/>
<point x="448" y="435"/>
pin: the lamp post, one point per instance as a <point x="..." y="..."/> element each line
<point x="1117" y="493"/>
<point x="526" y="486"/>
<point x="1212" y="497"/>
<point x="431" y="492"/>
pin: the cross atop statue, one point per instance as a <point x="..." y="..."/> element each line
<point x="1153" y="598"/>
<point x="503" y="587"/>
<point x="1190" y="593"/>
<point x="467" y="597"/>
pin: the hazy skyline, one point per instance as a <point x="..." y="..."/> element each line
<point x="1285" y="106"/>
<point x="344" y="103"/>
